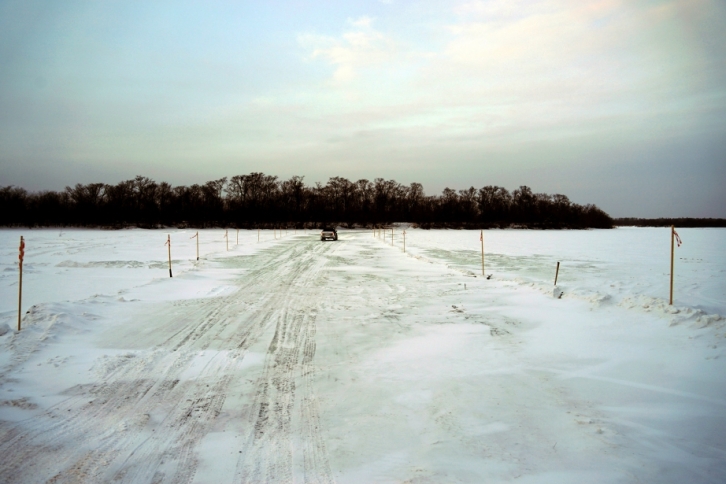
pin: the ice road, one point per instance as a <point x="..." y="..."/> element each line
<point x="294" y="360"/>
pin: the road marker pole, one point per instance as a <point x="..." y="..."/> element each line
<point x="237" y="237"/>
<point x="675" y="239"/>
<point x="226" y="238"/>
<point x="196" y="236"/>
<point x="557" y="271"/>
<point x="481" y="237"/>
<point x="670" y="301"/>
<point x="21" y="256"/>
<point x="404" y="241"/>
<point x="168" y="244"/>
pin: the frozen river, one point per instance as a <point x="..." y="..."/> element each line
<point x="294" y="360"/>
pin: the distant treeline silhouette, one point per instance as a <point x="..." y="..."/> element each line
<point x="667" y="222"/>
<point x="259" y="200"/>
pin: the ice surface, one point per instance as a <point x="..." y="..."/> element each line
<point x="298" y="360"/>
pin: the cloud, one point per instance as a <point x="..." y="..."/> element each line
<point x="504" y="72"/>
<point x="356" y="49"/>
<point x="364" y="22"/>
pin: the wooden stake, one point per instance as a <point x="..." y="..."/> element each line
<point x="557" y="271"/>
<point x="196" y="236"/>
<point x="237" y="237"/>
<point x="481" y="237"/>
<point x="226" y="238"/>
<point x="673" y="241"/>
<point x="404" y="241"/>
<point x="21" y="255"/>
<point x="168" y="243"/>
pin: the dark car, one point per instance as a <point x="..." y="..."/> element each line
<point x="329" y="234"/>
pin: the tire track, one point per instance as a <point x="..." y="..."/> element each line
<point x="285" y="420"/>
<point x="104" y="431"/>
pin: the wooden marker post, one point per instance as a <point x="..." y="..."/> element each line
<point x="404" y="241"/>
<point x="21" y="256"/>
<point x="391" y="236"/>
<point x="196" y="236"/>
<point x="226" y="238"/>
<point x="237" y="237"/>
<point x="557" y="271"/>
<point x="675" y="239"/>
<point x="481" y="238"/>
<point x="168" y="244"/>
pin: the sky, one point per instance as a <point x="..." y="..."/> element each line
<point x="617" y="103"/>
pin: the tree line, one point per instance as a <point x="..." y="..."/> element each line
<point x="667" y="222"/>
<point x="260" y="200"/>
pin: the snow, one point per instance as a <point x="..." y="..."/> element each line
<point x="291" y="359"/>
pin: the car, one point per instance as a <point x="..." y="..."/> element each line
<point x="328" y="234"/>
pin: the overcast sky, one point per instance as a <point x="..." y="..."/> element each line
<point x="617" y="103"/>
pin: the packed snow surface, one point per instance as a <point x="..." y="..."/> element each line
<point x="288" y="359"/>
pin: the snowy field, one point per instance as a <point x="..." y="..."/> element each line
<point x="295" y="360"/>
